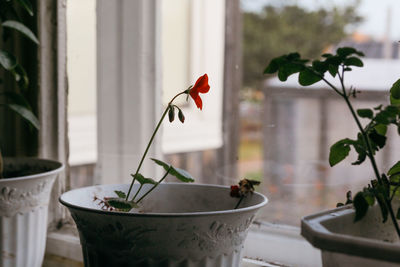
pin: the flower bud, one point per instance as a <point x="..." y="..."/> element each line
<point x="181" y="116"/>
<point x="171" y="114"/>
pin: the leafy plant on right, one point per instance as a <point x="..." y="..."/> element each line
<point x="371" y="137"/>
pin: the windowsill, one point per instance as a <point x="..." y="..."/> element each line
<point x="266" y="245"/>
<point x="280" y="244"/>
<point x="65" y="244"/>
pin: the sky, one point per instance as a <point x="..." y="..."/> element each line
<point x="375" y="13"/>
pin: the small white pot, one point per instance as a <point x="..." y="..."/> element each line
<point x="23" y="211"/>
<point x="366" y="243"/>
<point x="176" y="225"/>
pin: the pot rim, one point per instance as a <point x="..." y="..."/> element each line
<point x="59" y="167"/>
<point x="167" y="214"/>
<point x="317" y="234"/>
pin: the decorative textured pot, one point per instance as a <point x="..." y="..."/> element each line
<point x="23" y="211"/>
<point x="366" y="243"/>
<point x="176" y="225"/>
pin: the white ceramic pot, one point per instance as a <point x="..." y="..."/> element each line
<point x="366" y="243"/>
<point x="176" y="225"/>
<point x="23" y="211"/>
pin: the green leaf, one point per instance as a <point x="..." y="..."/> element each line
<point x="365" y="113"/>
<point x="395" y="169"/>
<point x="308" y="77"/>
<point x="121" y="204"/>
<point x="27" y="6"/>
<point x="333" y="69"/>
<point x="369" y="196"/>
<point x="387" y="115"/>
<point x="26" y="114"/>
<point x="319" y="66"/>
<point x="361" y="206"/>
<point x="120" y="194"/>
<point x="353" y="61"/>
<point x="327" y="55"/>
<point x="381" y="201"/>
<point x="293" y="56"/>
<point x="381" y="129"/>
<point x="334" y="61"/>
<point x="16" y="25"/>
<point x="7" y="60"/>
<point x="288" y="69"/>
<point x="180" y="174"/>
<point x="347" y="51"/>
<point x="272" y="67"/>
<point x="339" y="151"/>
<point x="360" y="148"/>
<point x="166" y="166"/>
<point x="143" y="180"/>
<point x="379" y="140"/>
<point x="395" y="90"/>
<point x="362" y="154"/>
<point x="370" y="199"/>
<point x="394" y="101"/>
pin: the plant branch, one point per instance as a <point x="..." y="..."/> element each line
<point x="361" y="129"/>
<point x="370" y="153"/>
<point x="151" y="141"/>
<point x="137" y="192"/>
<point x="162" y="179"/>
<point x="240" y="200"/>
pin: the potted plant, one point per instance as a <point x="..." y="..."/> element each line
<point x="365" y="232"/>
<point x="25" y="183"/>
<point x="150" y="223"/>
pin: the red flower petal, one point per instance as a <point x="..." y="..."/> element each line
<point x="201" y="86"/>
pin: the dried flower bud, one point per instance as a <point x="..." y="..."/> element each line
<point x="181" y="116"/>
<point x="247" y="186"/>
<point x="235" y="191"/>
<point x="171" y="114"/>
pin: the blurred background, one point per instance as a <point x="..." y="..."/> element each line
<point x="261" y="129"/>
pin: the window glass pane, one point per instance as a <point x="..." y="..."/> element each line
<point x="286" y="129"/>
<point x="81" y="45"/>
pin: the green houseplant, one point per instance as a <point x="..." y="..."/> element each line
<point x="25" y="183"/>
<point x="12" y="24"/>
<point x="383" y="188"/>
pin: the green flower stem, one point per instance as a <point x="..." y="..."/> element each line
<point x="240" y="200"/>
<point x="137" y="192"/>
<point x="150" y="142"/>
<point x="162" y="179"/>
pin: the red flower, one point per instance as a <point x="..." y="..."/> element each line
<point x="201" y="86"/>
